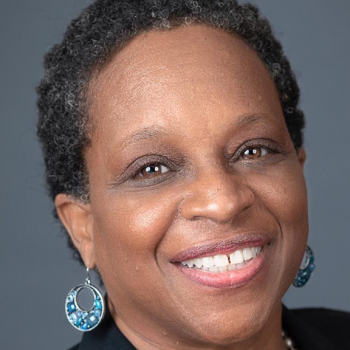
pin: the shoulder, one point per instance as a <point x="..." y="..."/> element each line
<point x="311" y="313"/>
<point x="325" y="319"/>
<point x="321" y="317"/>
<point x="75" y="347"/>
<point x="332" y="324"/>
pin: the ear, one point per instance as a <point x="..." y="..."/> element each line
<point x="302" y="157"/>
<point x="77" y="219"/>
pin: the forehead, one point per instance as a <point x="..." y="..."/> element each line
<point x="175" y="77"/>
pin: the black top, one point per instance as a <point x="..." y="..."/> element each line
<point x="310" y="329"/>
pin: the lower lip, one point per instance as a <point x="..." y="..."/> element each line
<point x="226" y="279"/>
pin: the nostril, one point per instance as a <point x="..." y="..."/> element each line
<point x="218" y="205"/>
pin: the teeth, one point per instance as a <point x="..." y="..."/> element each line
<point x="232" y="267"/>
<point x="236" y="257"/>
<point x="208" y="262"/>
<point x="247" y="254"/>
<point x="254" y="252"/>
<point x="240" y="265"/>
<point x="198" y="262"/>
<point x="189" y="263"/>
<point x="222" y="268"/>
<point x="222" y="262"/>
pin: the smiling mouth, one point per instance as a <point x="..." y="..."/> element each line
<point x="224" y="262"/>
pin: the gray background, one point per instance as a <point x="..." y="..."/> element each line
<point x="36" y="269"/>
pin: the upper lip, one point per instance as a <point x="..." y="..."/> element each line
<point x="239" y="241"/>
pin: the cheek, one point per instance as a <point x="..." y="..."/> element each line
<point x="284" y="196"/>
<point x="283" y="192"/>
<point x="128" y="228"/>
<point x="127" y="231"/>
<point x="292" y="205"/>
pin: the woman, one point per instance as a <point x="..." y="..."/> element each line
<point x="173" y="144"/>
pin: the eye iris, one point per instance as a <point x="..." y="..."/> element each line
<point x="151" y="170"/>
<point x="252" y="153"/>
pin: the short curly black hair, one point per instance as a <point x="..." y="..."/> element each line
<point x="94" y="37"/>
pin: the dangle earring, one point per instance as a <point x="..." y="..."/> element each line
<point x="306" y="269"/>
<point x="84" y="320"/>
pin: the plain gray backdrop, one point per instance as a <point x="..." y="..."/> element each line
<point x="36" y="268"/>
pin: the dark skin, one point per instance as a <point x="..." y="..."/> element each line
<point x="189" y="146"/>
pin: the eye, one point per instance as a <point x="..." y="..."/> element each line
<point x="254" y="152"/>
<point x="152" y="170"/>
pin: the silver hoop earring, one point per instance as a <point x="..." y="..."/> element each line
<point x="84" y="320"/>
<point x="306" y="269"/>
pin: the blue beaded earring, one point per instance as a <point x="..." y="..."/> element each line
<point x="84" y="320"/>
<point x="306" y="269"/>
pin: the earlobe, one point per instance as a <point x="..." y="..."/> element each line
<point x="302" y="157"/>
<point x="76" y="218"/>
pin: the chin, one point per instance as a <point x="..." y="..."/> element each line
<point x="233" y="325"/>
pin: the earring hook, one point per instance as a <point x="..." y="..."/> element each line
<point x="88" y="280"/>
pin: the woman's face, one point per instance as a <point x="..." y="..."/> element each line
<point x="191" y="158"/>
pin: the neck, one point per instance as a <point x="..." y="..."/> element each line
<point x="268" y="338"/>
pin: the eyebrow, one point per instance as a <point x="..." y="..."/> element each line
<point x="154" y="131"/>
<point x="148" y="133"/>
<point x="247" y="119"/>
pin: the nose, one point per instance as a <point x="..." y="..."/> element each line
<point x="218" y="196"/>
